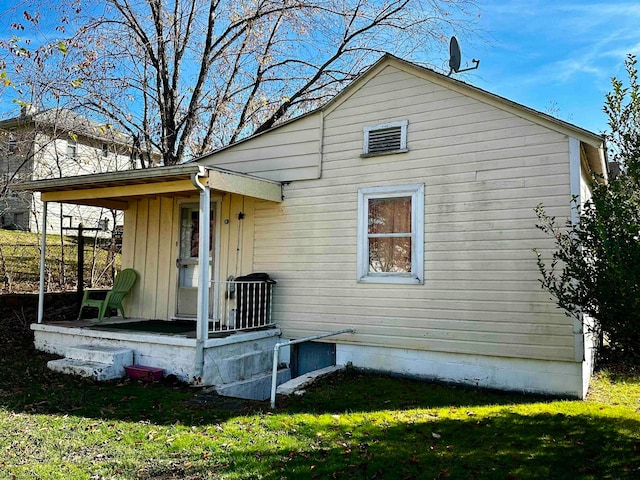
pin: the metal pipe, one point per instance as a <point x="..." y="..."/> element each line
<point x="202" y="318"/>
<point x="80" y="263"/>
<point x="276" y="354"/>
<point x="43" y="256"/>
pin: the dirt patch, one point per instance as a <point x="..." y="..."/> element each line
<point x="19" y="310"/>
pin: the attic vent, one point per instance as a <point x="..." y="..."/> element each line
<point x="385" y="138"/>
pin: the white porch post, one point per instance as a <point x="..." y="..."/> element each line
<point x="204" y="281"/>
<point x="43" y="248"/>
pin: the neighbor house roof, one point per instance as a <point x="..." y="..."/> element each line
<point x="67" y="121"/>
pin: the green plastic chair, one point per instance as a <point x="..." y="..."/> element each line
<point x="122" y="284"/>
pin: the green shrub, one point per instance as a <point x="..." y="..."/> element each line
<point x="595" y="268"/>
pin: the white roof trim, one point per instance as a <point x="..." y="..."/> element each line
<point x="75" y="189"/>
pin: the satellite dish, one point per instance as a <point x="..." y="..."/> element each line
<point x="455" y="57"/>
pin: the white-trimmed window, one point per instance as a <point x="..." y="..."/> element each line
<point x="385" y="138"/>
<point x="13" y="143"/>
<point x="391" y="234"/>
<point x="72" y="148"/>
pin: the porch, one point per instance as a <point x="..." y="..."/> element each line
<point x="238" y="346"/>
<point x="227" y="357"/>
<point x="187" y="229"/>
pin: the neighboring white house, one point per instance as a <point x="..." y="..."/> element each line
<point x="56" y="143"/>
<point x="403" y="209"/>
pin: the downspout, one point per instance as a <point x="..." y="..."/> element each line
<point x="43" y="256"/>
<point x="202" y="323"/>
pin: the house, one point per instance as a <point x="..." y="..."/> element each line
<point x="55" y="143"/>
<point x="403" y="209"/>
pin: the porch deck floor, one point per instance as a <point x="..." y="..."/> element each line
<point x="88" y="322"/>
<point x="132" y="325"/>
<point x="178" y="328"/>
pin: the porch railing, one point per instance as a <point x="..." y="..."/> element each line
<point x="242" y="305"/>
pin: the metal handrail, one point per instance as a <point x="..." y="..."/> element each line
<point x="252" y="310"/>
<point x="276" y="354"/>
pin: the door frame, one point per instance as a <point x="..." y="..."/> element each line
<point x="215" y="273"/>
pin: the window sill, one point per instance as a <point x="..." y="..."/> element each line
<point x="392" y="279"/>
<point x="379" y="154"/>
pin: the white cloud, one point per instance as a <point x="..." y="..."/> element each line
<point x="565" y="51"/>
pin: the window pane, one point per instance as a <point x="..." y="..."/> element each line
<point x="72" y="148"/>
<point x="390" y="255"/>
<point x="390" y="215"/>
<point x="190" y="233"/>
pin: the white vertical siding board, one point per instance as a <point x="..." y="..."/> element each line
<point x="174" y="235"/>
<point x="248" y="235"/>
<point x="165" y="260"/>
<point x="574" y="175"/>
<point x="129" y="240"/>
<point x="226" y="227"/>
<point x="139" y="257"/>
<point x="152" y="258"/>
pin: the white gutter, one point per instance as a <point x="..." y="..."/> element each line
<point x="43" y="256"/>
<point x="276" y="354"/>
<point x="202" y="324"/>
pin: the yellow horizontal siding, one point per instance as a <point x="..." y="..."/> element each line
<point x="484" y="171"/>
<point x="291" y="152"/>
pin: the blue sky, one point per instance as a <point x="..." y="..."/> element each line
<point x="559" y="53"/>
<point x="548" y="55"/>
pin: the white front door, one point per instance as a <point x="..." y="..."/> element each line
<point x="187" y="263"/>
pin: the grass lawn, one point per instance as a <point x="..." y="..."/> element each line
<point x="350" y="426"/>
<point x="20" y="261"/>
<point x="10" y="237"/>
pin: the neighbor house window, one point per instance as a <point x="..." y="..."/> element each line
<point x="13" y="143"/>
<point x="105" y="150"/>
<point x="72" y="149"/>
<point x="18" y="220"/>
<point x="385" y="138"/>
<point x="391" y="234"/>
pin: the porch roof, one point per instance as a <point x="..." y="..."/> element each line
<point x="116" y="189"/>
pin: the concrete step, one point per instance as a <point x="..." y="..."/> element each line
<point x="101" y="354"/>
<point x="93" y="361"/>
<point x="246" y="365"/>
<point x="243" y="347"/>
<point x="299" y="383"/>
<point x="84" y="368"/>
<point x="258" y="387"/>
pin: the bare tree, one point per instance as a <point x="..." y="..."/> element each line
<point x="187" y="76"/>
